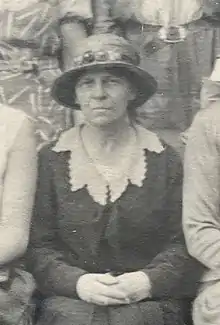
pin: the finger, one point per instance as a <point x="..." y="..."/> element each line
<point x="107" y="279"/>
<point x="112" y="292"/>
<point x="119" y="295"/>
<point x="123" y="276"/>
<point x="109" y="291"/>
<point x="107" y="301"/>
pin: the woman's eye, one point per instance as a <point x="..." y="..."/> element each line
<point x="87" y="82"/>
<point x="112" y="81"/>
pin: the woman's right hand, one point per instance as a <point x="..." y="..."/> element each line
<point x="100" y="289"/>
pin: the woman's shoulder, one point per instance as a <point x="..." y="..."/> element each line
<point x="207" y="121"/>
<point x="62" y="146"/>
<point x="169" y="160"/>
<point x="11" y="117"/>
<point x="154" y="144"/>
<point x="159" y="153"/>
<point x="14" y="126"/>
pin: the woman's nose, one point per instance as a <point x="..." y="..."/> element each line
<point x="99" y="90"/>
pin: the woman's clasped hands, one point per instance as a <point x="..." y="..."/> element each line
<point x="107" y="290"/>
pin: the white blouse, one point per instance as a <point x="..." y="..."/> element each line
<point x="11" y="121"/>
<point x="160" y="12"/>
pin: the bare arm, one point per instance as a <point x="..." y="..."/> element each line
<point x="74" y="17"/>
<point x="72" y="33"/>
<point x="18" y="194"/>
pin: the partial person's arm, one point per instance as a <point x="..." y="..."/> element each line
<point x="74" y="18"/>
<point x="46" y="257"/>
<point x="72" y="33"/>
<point x="18" y="195"/>
<point x="201" y="217"/>
<point x="79" y="18"/>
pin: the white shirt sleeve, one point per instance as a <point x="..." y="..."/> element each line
<point x="18" y="190"/>
<point x="201" y="196"/>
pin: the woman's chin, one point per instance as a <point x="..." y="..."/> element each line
<point x="101" y="121"/>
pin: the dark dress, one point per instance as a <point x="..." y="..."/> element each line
<point x="72" y="234"/>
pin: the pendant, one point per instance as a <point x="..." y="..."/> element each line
<point x="172" y="34"/>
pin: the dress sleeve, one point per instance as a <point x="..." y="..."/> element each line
<point x="170" y="271"/>
<point x="202" y="188"/>
<point x="18" y="189"/>
<point x="46" y="254"/>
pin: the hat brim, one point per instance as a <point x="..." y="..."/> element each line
<point x="146" y="85"/>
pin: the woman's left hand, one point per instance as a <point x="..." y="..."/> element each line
<point x="135" y="285"/>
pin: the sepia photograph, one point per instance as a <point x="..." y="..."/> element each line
<point x="110" y="162"/>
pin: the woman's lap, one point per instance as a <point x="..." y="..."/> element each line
<point x="16" y="306"/>
<point x="206" y="308"/>
<point x="66" y="311"/>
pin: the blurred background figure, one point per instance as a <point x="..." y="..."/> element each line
<point x="210" y="94"/>
<point x="32" y="48"/>
<point x="179" y="55"/>
<point x="211" y="86"/>
<point x="178" y="42"/>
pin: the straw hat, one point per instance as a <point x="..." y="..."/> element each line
<point x="109" y="51"/>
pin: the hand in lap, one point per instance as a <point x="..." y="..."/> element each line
<point x="135" y="285"/>
<point x="105" y="289"/>
<point x="100" y="289"/>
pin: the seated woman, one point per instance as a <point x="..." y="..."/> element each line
<point x="18" y="169"/>
<point x="106" y="244"/>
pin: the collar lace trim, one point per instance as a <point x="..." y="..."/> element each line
<point x="83" y="173"/>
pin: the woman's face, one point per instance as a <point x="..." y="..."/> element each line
<point x="103" y="97"/>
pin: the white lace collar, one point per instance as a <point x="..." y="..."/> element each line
<point x="83" y="173"/>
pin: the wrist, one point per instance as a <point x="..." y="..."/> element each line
<point x="80" y="284"/>
<point x="145" y="280"/>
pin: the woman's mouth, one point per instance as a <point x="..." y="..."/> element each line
<point x="101" y="108"/>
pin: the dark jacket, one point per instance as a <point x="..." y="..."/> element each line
<point x="71" y="234"/>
